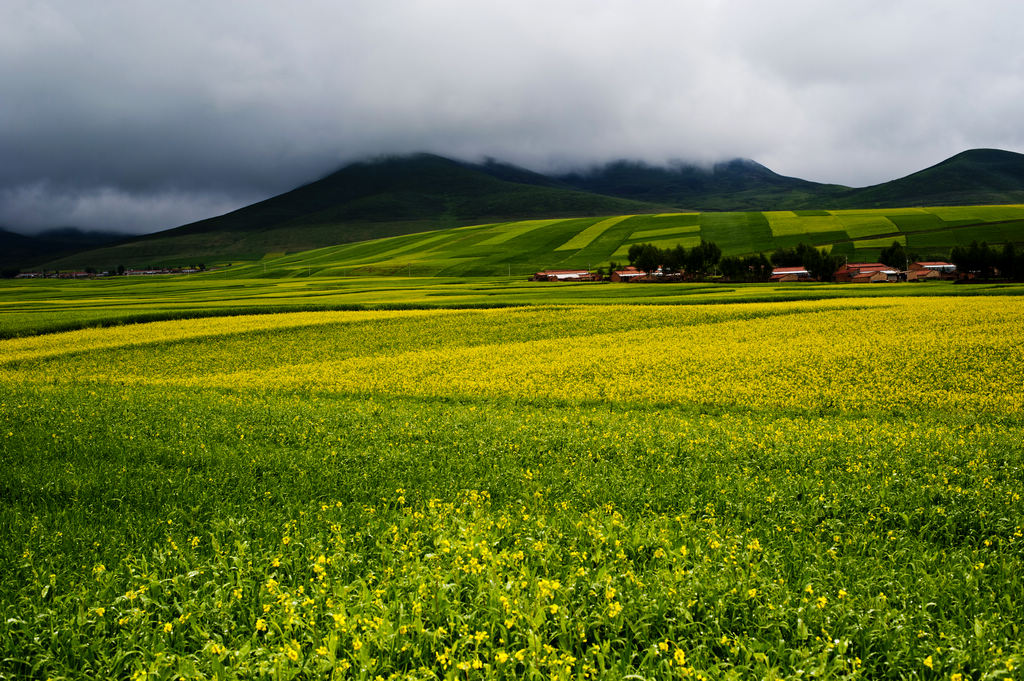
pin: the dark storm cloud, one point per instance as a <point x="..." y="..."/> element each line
<point x="140" y="115"/>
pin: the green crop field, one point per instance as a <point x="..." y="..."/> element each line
<point x="521" y="248"/>
<point x="399" y="459"/>
<point x="35" y="306"/>
<point x="557" y="491"/>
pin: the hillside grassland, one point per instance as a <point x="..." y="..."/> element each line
<point x="518" y="248"/>
<point x="807" y="488"/>
<point x="523" y="247"/>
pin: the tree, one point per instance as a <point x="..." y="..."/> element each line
<point x="895" y="256"/>
<point x="1010" y="264"/>
<point x="673" y="259"/>
<point x="648" y="259"/>
<point x="760" y="267"/>
<point x="710" y="254"/>
<point x="786" y="257"/>
<point x="733" y="268"/>
<point x="634" y="253"/>
<point x="823" y="267"/>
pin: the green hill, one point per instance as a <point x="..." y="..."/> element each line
<point x="20" y="251"/>
<point x="975" y="177"/>
<point x="367" y="200"/>
<point x="978" y="176"/>
<point x="396" y="196"/>
<point x="522" y="247"/>
<point x="740" y="184"/>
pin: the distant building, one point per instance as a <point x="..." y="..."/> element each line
<point x="564" y="275"/>
<point x="867" y="272"/>
<point x="933" y="269"/>
<point x="782" y="274"/>
<point x="628" y="274"/>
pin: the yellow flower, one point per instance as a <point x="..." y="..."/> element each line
<point x="501" y="657"/>
<point x="679" y="657"/>
<point x="928" y="662"/>
<point x="168" y="628"/>
<point x="261" y="624"/>
<point x="99" y="611"/>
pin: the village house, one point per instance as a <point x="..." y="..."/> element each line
<point x="931" y="270"/>
<point x="564" y="275"/>
<point x="628" y="274"/>
<point x="867" y="273"/>
<point x="797" y="273"/>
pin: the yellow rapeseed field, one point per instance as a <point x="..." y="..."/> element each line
<point x="827" y="489"/>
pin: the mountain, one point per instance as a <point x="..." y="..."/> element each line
<point x="974" y="177"/>
<point x="20" y="251"/>
<point x="367" y="200"/>
<point x="977" y="176"/>
<point x="392" y="196"/>
<point x="739" y="184"/>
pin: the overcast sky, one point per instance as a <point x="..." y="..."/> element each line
<point x="138" y="115"/>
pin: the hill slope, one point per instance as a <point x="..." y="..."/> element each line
<point x="405" y="195"/>
<point x="517" y="249"/>
<point x="739" y="184"/>
<point x="974" y="177"/>
<point x="367" y="200"/>
<point x="20" y="251"/>
<point x="978" y="176"/>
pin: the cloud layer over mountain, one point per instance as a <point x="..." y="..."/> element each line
<point x="138" y="115"/>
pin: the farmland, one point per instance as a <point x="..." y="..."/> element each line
<point x="523" y="247"/>
<point x="825" y="488"/>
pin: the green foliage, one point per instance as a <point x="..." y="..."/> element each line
<point x="696" y="262"/>
<point x="985" y="262"/>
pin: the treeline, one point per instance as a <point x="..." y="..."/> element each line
<point x="982" y="261"/>
<point x="819" y="263"/>
<point x="693" y="263"/>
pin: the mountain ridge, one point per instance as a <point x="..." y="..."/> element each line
<point x="395" y="195"/>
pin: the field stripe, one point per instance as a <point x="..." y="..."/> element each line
<point x="587" y="236"/>
<point x="510" y="230"/>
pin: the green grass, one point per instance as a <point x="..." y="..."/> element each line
<point x="591" y="233"/>
<point x="28" y="307"/>
<point x="514" y="493"/>
<point x="522" y="247"/>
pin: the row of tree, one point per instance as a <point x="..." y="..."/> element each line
<point x="985" y="262"/>
<point x="693" y="263"/>
<point x="819" y="263"/>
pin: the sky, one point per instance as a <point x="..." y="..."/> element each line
<point x="137" y="115"/>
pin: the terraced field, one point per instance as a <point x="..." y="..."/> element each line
<point x="600" y="491"/>
<point x="520" y="248"/>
